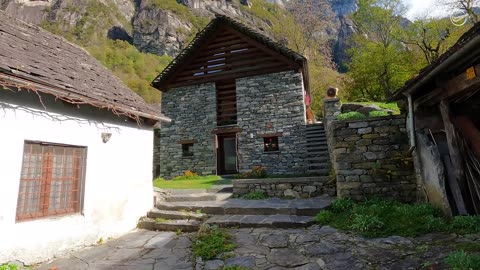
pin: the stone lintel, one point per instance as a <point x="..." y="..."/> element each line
<point x="187" y="141"/>
<point x="225" y="130"/>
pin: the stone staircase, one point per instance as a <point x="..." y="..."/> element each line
<point x="317" y="159"/>
<point x="186" y="210"/>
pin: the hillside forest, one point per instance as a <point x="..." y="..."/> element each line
<point x="383" y="50"/>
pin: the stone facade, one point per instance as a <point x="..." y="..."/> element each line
<point x="371" y="160"/>
<point x="304" y="187"/>
<point x="193" y="113"/>
<point x="271" y="104"/>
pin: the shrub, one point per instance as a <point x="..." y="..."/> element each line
<point x="465" y="224"/>
<point x="187" y="175"/>
<point x="256" y="172"/>
<point x="324" y="217"/>
<point x="342" y="205"/>
<point x="350" y="116"/>
<point x="255" y="195"/>
<point x="211" y="242"/>
<point x="378" y="114"/>
<point x="463" y="261"/>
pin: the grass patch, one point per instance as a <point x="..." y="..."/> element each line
<point x="211" y="242"/>
<point x="378" y="114"/>
<point x="463" y="261"/>
<point x="380" y="218"/>
<point x="255" y="195"/>
<point x="350" y="116"/>
<point x="8" y="266"/>
<point x="386" y="106"/>
<point x="198" y="182"/>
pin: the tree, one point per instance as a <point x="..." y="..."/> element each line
<point x="380" y="63"/>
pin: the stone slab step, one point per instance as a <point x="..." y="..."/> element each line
<point x="314" y="136"/>
<point x="318" y="159"/>
<point x="169" y="225"/>
<point x="317" y="148"/>
<point x="310" y="127"/>
<point x="214" y="189"/>
<point x="317" y="144"/>
<point x="319" y="171"/>
<point x="182" y="215"/>
<point x="261" y="221"/>
<point x="198" y="197"/>
<point x="272" y="206"/>
<point x="315" y="132"/>
<point x="315" y="166"/>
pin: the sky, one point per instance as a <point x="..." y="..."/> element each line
<point x="424" y="8"/>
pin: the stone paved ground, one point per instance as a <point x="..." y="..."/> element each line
<point x="319" y="248"/>
<point x="139" y="250"/>
<point x="314" y="248"/>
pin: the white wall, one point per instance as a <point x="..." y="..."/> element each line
<point x="118" y="182"/>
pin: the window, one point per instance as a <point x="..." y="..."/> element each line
<point x="187" y="149"/>
<point x="51" y="180"/>
<point x="271" y="144"/>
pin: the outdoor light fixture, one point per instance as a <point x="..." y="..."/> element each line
<point x="106" y="137"/>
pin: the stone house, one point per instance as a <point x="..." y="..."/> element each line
<point x="444" y="128"/>
<point x="237" y="100"/>
<point x="76" y="147"/>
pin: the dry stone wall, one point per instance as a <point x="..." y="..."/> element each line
<point x="371" y="160"/>
<point x="304" y="187"/>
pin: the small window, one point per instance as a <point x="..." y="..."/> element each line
<point x="51" y="180"/>
<point x="271" y="144"/>
<point x="187" y="149"/>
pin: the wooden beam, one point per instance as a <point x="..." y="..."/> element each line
<point x="455" y="172"/>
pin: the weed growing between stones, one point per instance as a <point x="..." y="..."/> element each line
<point x="211" y="242"/>
<point x="463" y="261"/>
<point x="255" y="195"/>
<point x="381" y="218"/>
<point x="160" y="220"/>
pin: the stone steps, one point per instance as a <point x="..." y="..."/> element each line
<point x="324" y="172"/>
<point x="178" y="215"/>
<point x="261" y="221"/>
<point x="273" y="206"/>
<point x="197" y="197"/>
<point x="317" y="148"/>
<point x="322" y="165"/>
<point x="169" y="225"/>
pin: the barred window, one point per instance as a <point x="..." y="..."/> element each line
<point x="51" y="180"/>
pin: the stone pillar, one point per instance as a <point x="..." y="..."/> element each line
<point x="331" y="108"/>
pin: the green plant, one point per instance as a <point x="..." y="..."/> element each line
<point x="342" y="205"/>
<point x="462" y="261"/>
<point x="378" y="114"/>
<point x="465" y="224"/>
<point x="8" y="266"/>
<point x="255" y="173"/>
<point x="210" y="242"/>
<point x="178" y="232"/>
<point x="255" y="195"/>
<point x="367" y="224"/>
<point x="324" y="217"/>
<point x="161" y="220"/>
<point x="350" y="116"/>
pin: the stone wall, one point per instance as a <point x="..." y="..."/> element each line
<point x="304" y="187"/>
<point x="193" y="113"/>
<point x="371" y="160"/>
<point x="272" y="104"/>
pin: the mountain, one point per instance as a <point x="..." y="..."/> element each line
<point x="137" y="38"/>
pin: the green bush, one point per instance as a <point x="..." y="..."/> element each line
<point x="465" y="224"/>
<point x="324" y="217"/>
<point x="463" y="261"/>
<point x="342" y="205"/>
<point x="255" y="195"/>
<point x="378" y="218"/>
<point x="378" y="113"/>
<point x="350" y="116"/>
<point x="8" y="266"/>
<point x="211" y="242"/>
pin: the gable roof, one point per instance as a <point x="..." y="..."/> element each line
<point x="205" y="35"/>
<point x="44" y="62"/>
<point x="460" y="54"/>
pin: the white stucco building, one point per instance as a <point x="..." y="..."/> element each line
<point x="76" y="147"/>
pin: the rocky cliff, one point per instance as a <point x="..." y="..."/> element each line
<point x="158" y="26"/>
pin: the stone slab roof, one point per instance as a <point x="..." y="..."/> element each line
<point x="44" y="62"/>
